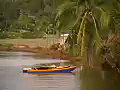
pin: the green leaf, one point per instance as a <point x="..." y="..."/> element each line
<point x="104" y="20"/>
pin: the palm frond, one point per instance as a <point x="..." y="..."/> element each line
<point x="64" y="7"/>
<point x="105" y="18"/>
<point x="81" y="27"/>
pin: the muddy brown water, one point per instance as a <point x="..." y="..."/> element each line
<point x="12" y="78"/>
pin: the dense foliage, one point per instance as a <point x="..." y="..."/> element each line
<point x="93" y="25"/>
<point x="27" y="18"/>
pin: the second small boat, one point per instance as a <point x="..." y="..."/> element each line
<point x="49" y="69"/>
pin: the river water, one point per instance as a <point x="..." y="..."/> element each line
<point x="12" y="78"/>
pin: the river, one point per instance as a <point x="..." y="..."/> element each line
<point x="12" y="78"/>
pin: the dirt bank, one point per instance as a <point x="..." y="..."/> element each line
<point x="54" y="54"/>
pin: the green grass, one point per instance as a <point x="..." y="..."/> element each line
<point x="31" y="42"/>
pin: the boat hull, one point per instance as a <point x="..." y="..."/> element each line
<point x="52" y="71"/>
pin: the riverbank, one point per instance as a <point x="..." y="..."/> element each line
<point x="48" y="53"/>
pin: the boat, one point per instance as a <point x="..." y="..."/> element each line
<point x="49" y="69"/>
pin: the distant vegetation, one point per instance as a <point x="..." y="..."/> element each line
<point x="27" y="18"/>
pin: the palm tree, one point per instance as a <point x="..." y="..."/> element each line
<point x="91" y="26"/>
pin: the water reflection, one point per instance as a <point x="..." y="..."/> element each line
<point x="91" y="79"/>
<point x="22" y="58"/>
<point x="51" y="82"/>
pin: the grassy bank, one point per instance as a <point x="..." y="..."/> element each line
<point x="43" y="42"/>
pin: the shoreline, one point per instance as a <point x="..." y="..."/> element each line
<point x="52" y="54"/>
<point x="42" y="51"/>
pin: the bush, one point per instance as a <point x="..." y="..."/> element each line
<point x="27" y="35"/>
<point x="14" y="35"/>
<point x="110" y="51"/>
<point x="55" y="46"/>
<point x="3" y="35"/>
<point x="7" y="46"/>
<point x="30" y="35"/>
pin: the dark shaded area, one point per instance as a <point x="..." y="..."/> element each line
<point x="91" y="79"/>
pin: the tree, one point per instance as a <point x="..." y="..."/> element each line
<point x="92" y="25"/>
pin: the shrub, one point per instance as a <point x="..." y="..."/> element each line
<point x="3" y="35"/>
<point x="27" y="35"/>
<point x="7" y="46"/>
<point x="14" y="35"/>
<point x="30" y="35"/>
<point x="55" y="46"/>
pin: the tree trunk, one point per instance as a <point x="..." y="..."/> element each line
<point x="84" y="46"/>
